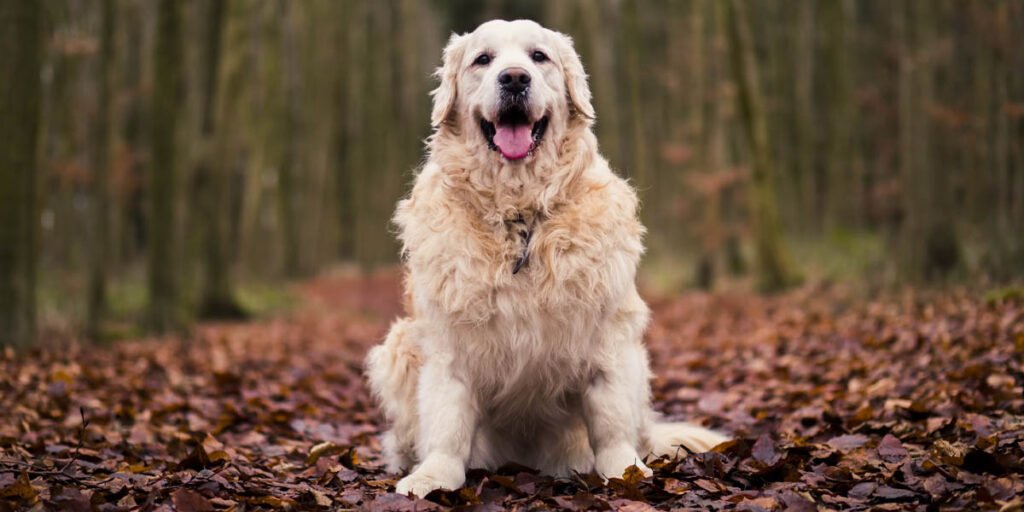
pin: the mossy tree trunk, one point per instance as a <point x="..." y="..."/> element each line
<point x="291" y="131"/>
<point x="163" y="312"/>
<point x="930" y="247"/>
<point x="221" y="92"/>
<point x="639" y="169"/>
<point x="704" y="119"/>
<point x="774" y="267"/>
<point x="805" y="171"/>
<point x="342" y="145"/>
<point x="602" y="69"/>
<point x="21" y="53"/>
<point x="96" y="308"/>
<point x="840" y="177"/>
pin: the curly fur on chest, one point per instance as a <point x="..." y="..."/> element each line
<point x="461" y="241"/>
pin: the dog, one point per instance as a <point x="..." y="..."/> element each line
<point x="523" y="340"/>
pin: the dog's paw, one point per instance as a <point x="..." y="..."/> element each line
<point x="421" y="485"/>
<point x="436" y="472"/>
<point x="612" y="462"/>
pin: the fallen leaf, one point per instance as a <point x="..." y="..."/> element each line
<point x="187" y="500"/>
<point x="891" y="449"/>
<point x="847" y="442"/>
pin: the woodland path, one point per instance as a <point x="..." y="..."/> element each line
<point x="837" y="403"/>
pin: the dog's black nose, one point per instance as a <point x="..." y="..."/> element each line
<point x="514" y="80"/>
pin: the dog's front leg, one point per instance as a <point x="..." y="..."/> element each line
<point x="615" y="406"/>
<point x="447" y="424"/>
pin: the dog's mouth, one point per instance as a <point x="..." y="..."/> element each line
<point x="513" y="134"/>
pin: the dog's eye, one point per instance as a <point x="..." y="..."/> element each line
<point x="539" y="56"/>
<point x="482" y="60"/>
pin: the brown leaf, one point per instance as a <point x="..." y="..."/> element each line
<point x="758" y="504"/>
<point x="21" y="491"/>
<point x="892" y="493"/>
<point x="631" y="506"/>
<point x="796" y="503"/>
<point x="399" y="503"/>
<point x="323" y="449"/>
<point x="196" y="460"/>
<point x="320" y="498"/>
<point x="891" y="449"/>
<point x="272" y="502"/>
<point x="949" y="453"/>
<point x="187" y="500"/>
<point x="633" y="475"/>
<point x="764" y="451"/>
<point x="708" y="485"/>
<point x="863" y="489"/>
<point x="847" y="442"/>
<point x="675" y="486"/>
<point x="72" y="500"/>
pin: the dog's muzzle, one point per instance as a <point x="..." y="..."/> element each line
<point x="513" y="133"/>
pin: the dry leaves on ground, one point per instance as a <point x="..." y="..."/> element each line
<point x="835" y="404"/>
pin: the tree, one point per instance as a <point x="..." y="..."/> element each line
<point x="640" y="164"/>
<point x="807" y="175"/>
<point x="163" y="293"/>
<point x="930" y="248"/>
<point x="704" y="119"/>
<point x="841" y="183"/>
<point x="290" y="129"/>
<point x="341" y="145"/>
<point x="97" y="303"/>
<point x="220" y="99"/>
<point x="774" y="270"/>
<point x="21" y="52"/>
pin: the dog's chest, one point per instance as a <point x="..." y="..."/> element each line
<point x="528" y="361"/>
<point x="537" y="343"/>
<point x="556" y="271"/>
<point x="526" y="269"/>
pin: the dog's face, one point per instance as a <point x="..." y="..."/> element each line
<point x="508" y="83"/>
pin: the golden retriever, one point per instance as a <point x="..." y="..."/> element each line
<point x="523" y="340"/>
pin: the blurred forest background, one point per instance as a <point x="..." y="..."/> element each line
<point x="164" y="160"/>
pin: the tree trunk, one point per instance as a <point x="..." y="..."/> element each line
<point x="163" y="293"/>
<point x="804" y="108"/>
<point x="219" y="102"/>
<point x="289" y="163"/>
<point x="639" y="165"/>
<point x="128" y="233"/>
<point x="930" y="246"/>
<point x="704" y="119"/>
<point x="97" y="303"/>
<point x="774" y="271"/>
<point x="603" y="71"/>
<point x="839" y="178"/>
<point x="342" y="143"/>
<point x="360" y="126"/>
<point x="21" y="52"/>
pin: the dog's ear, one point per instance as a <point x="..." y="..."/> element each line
<point x="444" y="95"/>
<point x="575" y="76"/>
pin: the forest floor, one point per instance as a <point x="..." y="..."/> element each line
<point x="836" y="403"/>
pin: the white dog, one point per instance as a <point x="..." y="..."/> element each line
<point x="523" y="340"/>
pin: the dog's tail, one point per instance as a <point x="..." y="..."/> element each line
<point x="674" y="439"/>
<point x="392" y="369"/>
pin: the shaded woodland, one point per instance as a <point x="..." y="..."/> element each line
<point x="157" y="156"/>
<point x="834" y="191"/>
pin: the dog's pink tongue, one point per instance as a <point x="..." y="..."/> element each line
<point x="514" y="141"/>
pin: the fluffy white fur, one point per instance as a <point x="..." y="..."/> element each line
<point x="545" y="367"/>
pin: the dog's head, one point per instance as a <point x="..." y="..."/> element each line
<point x="508" y="84"/>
